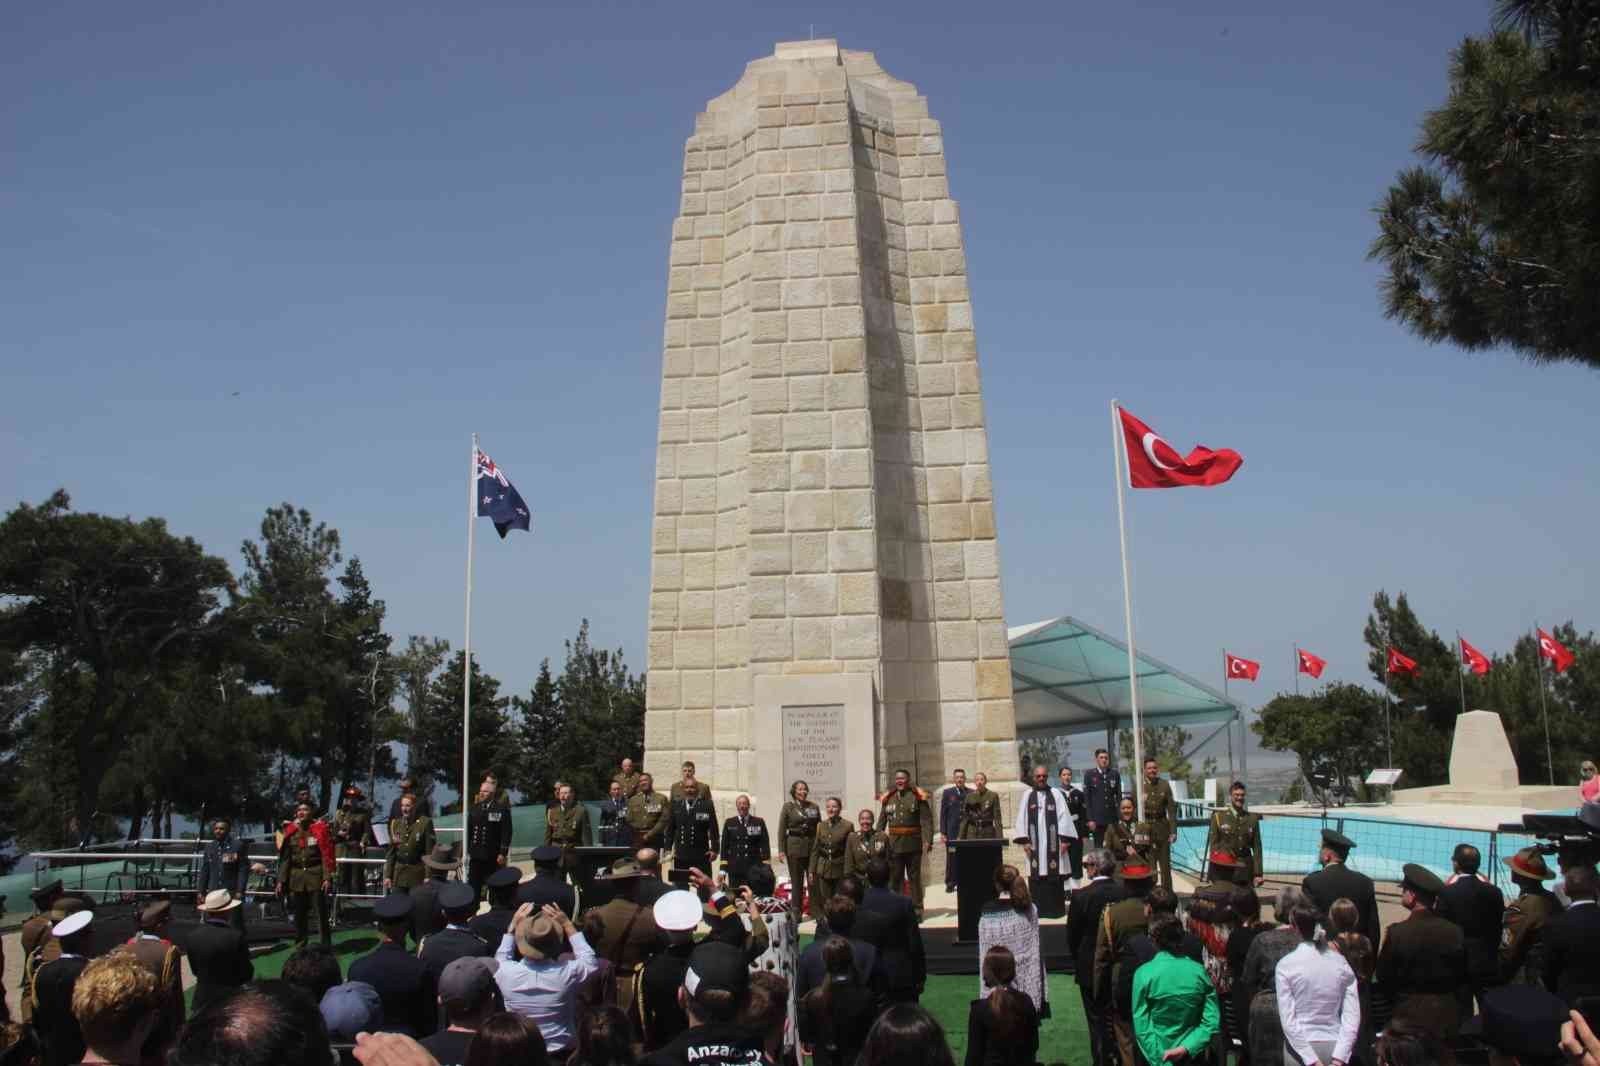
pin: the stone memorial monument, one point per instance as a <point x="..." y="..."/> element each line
<point x="825" y="585"/>
<point x="1483" y="772"/>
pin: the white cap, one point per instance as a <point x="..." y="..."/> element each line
<point x="73" y="923"/>
<point x="677" y="911"/>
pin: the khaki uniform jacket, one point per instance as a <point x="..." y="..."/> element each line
<point x="797" y="828"/>
<point x="1522" y="936"/>
<point x="980" y="816"/>
<point x="301" y="865"/>
<point x="1118" y="922"/>
<point x="1130" y="840"/>
<point x="567" y="827"/>
<point x="864" y="847"/>
<point x="1239" y="834"/>
<point x="350" y="832"/>
<point x="675" y="793"/>
<point x="908" y="818"/>
<point x="650" y="816"/>
<point x="831" y="848"/>
<point x="164" y="959"/>
<point x="1160" y="808"/>
<point x="629" y="782"/>
<point x="409" y="841"/>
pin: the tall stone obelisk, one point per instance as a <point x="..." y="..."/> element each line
<point x="825" y="584"/>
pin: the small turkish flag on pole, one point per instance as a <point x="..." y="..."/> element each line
<point x="1401" y="664"/>
<point x="1155" y="464"/>
<point x="1310" y="664"/>
<point x="1553" y="650"/>
<point x="1473" y="659"/>
<point x="1241" y="669"/>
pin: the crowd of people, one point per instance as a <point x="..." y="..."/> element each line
<point x="476" y="964"/>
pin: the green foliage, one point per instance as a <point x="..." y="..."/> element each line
<point x="540" y="727"/>
<point x="1336" y="732"/>
<point x="494" y="746"/>
<point x="1497" y="241"/>
<point x="413" y="671"/>
<point x="1167" y="745"/>
<point x="601" y="712"/>
<point x="1424" y="706"/>
<point x="1050" y="751"/>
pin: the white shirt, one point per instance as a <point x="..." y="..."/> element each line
<point x="546" y="990"/>
<point x="1318" y="1000"/>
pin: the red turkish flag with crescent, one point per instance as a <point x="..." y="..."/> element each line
<point x="1552" y="649"/>
<point x="1402" y="664"/>
<point x="1310" y="664"/>
<point x="1155" y="464"/>
<point x="1473" y="659"/>
<point x="1241" y="669"/>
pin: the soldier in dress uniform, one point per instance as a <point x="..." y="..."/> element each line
<point x="909" y="820"/>
<point x="401" y="979"/>
<point x="797" y="829"/>
<point x="302" y="798"/>
<point x="38" y="944"/>
<point x="488" y="834"/>
<point x="1075" y="808"/>
<point x="408" y="787"/>
<point x="866" y="844"/>
<point x="410" y="840"/>
<point x="1336" y="881"/>
<point x="305" y="873"/>
<point x="1120" y="922"/>
<point x="1127" y="840"/>
<point x="1522" y="946"/>
<point x="628" y="778"/>
<point x="950" y="806"/>
<point x="352" y="832"/>
<point x="224" y="863"/>
<point x="1161" y="812"/>
<point x="829" y="851"/>
<point x="426" y="917"/>
<point x="694" y="828"/>
<point x="981" y="818"/>
<point x="164" y="959"/>
<point x="614" y="831"/>
<point x="566" y="825"/>
<point x="455" y="941"/>
<point x="744" y="843"/>
<point x="649" y="815"/>
<point x="685" y="779"/>
<point x="502" y="888"/>
<point x="1102" y="796"/>
<point x="1236" y="834"/>
<point x="1422" y="965"/>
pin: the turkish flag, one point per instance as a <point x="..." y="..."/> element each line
<point x="1401" y="664"/>
<point x="1310" y="664"/>
<point x="1155" y="464"/>
<point x="1553" y="650"/>
<point x="1473" y="659"/>
<point x="1241" y="669"/>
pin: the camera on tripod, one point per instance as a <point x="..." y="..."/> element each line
<point x="1573" y="838"/>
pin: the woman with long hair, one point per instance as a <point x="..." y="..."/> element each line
<point x="507" y="1039"/>
<point x="1002" y="1027"/>
<point x="1345" y="937"/>
<point x="836" y="1015"/>
<point x="605" y="1038"/>
<point x="1011" y="921"/>
<point x="1318" y="1004"/>
<point x="906" y="1035"/>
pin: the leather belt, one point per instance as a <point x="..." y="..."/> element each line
<point x="904" y="830"/>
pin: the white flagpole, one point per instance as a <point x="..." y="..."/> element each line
<point x="466" y="645"/>
<point x="1127" y="610"/>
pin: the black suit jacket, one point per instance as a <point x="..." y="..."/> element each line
<point x="1102" y="794"/>
<point x="899" y="942"/>
<point x="426" y="917"/>
<point x="219" y="955"/>
<point x="52" y="1014"/>
<point x="1572" y="953"/>
<point x="405" y="986"/>
<point x="1083" y="919"/>
<point x="450" y="944"/>
<point x="1422" y="955"/>
<point x="809" y="969"/>
<point x="1479" y="909"/>
<point x="1337" y="881"/>
<point x="547" y="888"/>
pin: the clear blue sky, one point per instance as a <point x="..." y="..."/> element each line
<point x="388" y="225"/>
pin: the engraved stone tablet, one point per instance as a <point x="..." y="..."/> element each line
<point x="813" y="748"/>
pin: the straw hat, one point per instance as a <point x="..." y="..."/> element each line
<point x="218" y="901"/>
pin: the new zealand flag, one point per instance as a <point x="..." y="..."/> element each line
<point x="499" y="500"/>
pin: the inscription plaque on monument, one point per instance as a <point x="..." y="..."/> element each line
<point x="813" y="749"/>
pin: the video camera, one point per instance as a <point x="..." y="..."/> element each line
<point x="1573" y="838"/>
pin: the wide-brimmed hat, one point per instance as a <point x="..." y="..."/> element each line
<point x="1530" y="863"/>
<point x="538" y="936"/>
<point x="46" y="892"/>
<point x="442" y="857"/>
<point x="621" y="869"/>
<point x="155" y="914"/>
<point x="217" y="901"/>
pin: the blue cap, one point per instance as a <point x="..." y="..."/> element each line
<point x="394" y="907"/>
<point x="548" y="853"/>
<point x="351" y="1008"/>
<point x="457" y="896"/>
<point x="504" y="877"/>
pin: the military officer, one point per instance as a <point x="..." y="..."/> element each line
<point x="614" y="831"/>
<point x="685" y="779"/>
<point x="224" y="863"/>
<point x="566" y="825"/>
<point x="1422" y="965"/>
<point x="502" y="888"/>
<point x="744" y="843"/>
<point x="426" y="917"/>
<point x="488" y="834"/>
<point x="408" y="787"/>
<point x="980" y="812"/>
<point x="410" y="839"/>
<point x="1161" y="812"/>
<point x="866" y="844"/>
<point x="1522" y="937"/>
<point x="829" y="852"/>
<point x="1120" y="922"/>
<point x="305" y="872"/>
<point x="1236" y="834"/>
<point x="909" y="820"/>
<point x="797" y="829"/>
<point x="1102" y="795"/>
<point x="352" y="831"/>
<point x="1127" y="840"/>
<point x="628" y="778"/>
<point x="649" y="815"/>
<point x="164" y="960"/>
<point x="455" y="941"/>
<point x="302" y="796"/>
<point x="401" y="979"/>
<point x="950" y="806"/>
<point x="694" y="828"/>
<point x="47" y="898"/>
<point x="1336" y="881"/>
<point x="1075" y="808"/>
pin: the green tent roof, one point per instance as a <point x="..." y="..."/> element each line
<point x="1069" y="677"/>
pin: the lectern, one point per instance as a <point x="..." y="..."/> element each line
<point x="976" y="862"/>
<point x="594" y="891"/>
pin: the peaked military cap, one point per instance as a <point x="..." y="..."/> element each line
<point x="1421" y="879"/>
<point x="1337" y="840"/>
<point x="547" y="853"/>
<point x="394" y="907"/>
<point x="456" y="896"/>
<point x="504" y="877"/>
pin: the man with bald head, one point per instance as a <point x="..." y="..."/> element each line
<point x="744" y="843"/>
